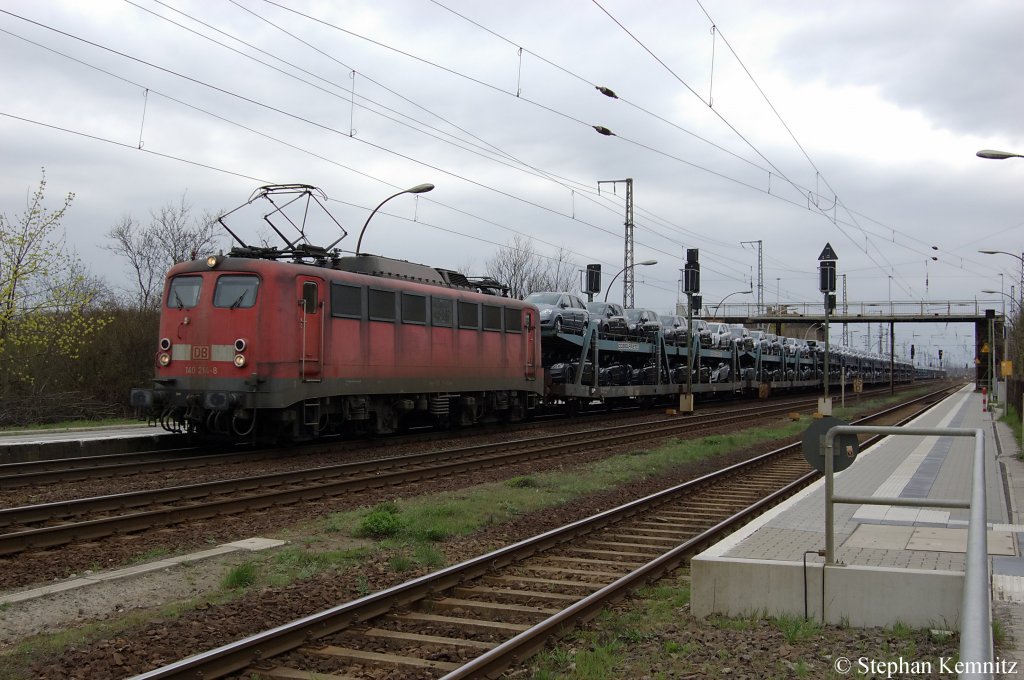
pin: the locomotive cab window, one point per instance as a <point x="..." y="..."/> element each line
<point x="184" y="292"/>
<point x="234" y="291"/>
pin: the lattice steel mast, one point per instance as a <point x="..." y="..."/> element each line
<point x="627" y="264"/>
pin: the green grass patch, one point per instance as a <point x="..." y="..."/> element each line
<point x="152" y="555"/>
<point x="1011" y="416"/>
<point x="998" y="632"/>
<point x="795" y="628"/>
<point x="748" y="622"/>
<point x="901" y="631"/>
<point x="523" y="482"/>
<point x="240" y="577"/>
<point x="597" y="663"/>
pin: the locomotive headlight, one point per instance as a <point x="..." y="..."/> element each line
<point x="239" y="360"/>
<point x="212" y="261"/>
<point x="164" y="359"/>
<point x="240" y="345"/>
<point x="165" y="344"/>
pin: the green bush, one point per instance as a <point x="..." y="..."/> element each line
<point x="381" y="522"/>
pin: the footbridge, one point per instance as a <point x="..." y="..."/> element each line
<point x="796" y="318"/>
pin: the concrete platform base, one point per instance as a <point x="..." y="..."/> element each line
<point x="858" y="596"/>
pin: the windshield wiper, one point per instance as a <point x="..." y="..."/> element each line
<point x="238" y="301"/>
<point x="181" y="305"/>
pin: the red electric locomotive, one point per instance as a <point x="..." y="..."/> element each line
<point x="299" y="341"/>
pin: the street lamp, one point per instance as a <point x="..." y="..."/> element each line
<point x="1003" y="252"/>
<point x="645" y="263"/>
<point x="810" y="328"/>
<point x="738" y="292"/>
<point x="997" y="155"/>
<point x="1019" y="257"/>
<point x="418" y="189"/>
<point x="999" y="292"/>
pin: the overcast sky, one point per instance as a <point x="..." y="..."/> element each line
<point x="793" y="123"/>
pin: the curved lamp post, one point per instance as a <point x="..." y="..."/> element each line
<point x="645" y="263"/>
<point x="997" y="155"/>
<point x="738" y="292"/>
<point x="812" y="327"/>
<point x="1007" y="295"/>
<point x="1003" y="252"/>
<point x="418" y="189"/>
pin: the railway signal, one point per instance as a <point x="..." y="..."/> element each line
<point x="827" y="285"/>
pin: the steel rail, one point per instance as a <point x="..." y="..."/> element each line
<point x="16" y="475"/>
<point x="236" y="656"/>
<point x="357" y="476"/>
<point x="80" y="468"/>
<point x="466" y="459"/>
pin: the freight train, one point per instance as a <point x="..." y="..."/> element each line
<point x="299" y="341"/>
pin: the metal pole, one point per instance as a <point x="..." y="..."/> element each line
<point x="992" y="360"/>
<point x="975" y="607"/>
<point x="627" y="265"/>
<point x="691" y="336"/>
<point x="892" y="360"/>
<point x="826" y="347"/>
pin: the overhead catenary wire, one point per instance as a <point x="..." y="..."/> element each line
<point x="675" y="253"/>
<point x="813" y="196"/>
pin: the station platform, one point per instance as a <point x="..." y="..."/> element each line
<point x="895" y="564"/>
<point x="20" y="446"/>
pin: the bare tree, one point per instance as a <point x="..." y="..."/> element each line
<point x="172" y="236"/>
<point x="560" y="272"/>
<point x="516" y="265"/>
<point x="181" y="237"/>
<point x="144" y="255"/>
<point x="520" y="267"/>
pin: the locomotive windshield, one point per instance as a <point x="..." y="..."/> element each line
<point x="184" y="292"/>
<point x="234" y="291"/>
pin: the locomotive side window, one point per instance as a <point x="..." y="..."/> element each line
<point x="492" y="318"/>
<point x="382" y="305"/>
<point x="414" y="308"/>
<point x="469" y="315"/>
<point x="346" y="300"/>
<point x="513" y="320"/>
<point x="234" y="291"/>
<point x="184" y="292"/>
<point x="442" y="312"/>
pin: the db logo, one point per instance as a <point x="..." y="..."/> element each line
<point x="200" y="352"/>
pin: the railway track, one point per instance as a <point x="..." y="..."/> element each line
<point x="38" y="473"/>
<point x="476" y="618"/>
<point x="60" y="523"/>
